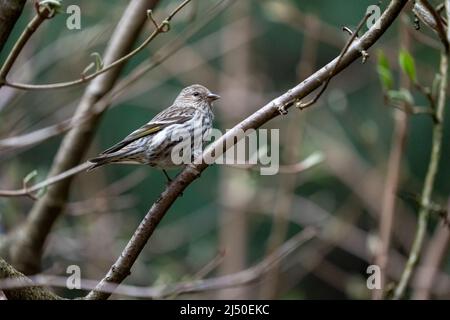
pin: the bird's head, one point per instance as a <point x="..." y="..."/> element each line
<point x="196" y="94"/>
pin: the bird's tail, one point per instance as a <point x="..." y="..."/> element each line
<point x="116" y="157"/>
<point x="100" y="161"/>
<point x="96" y="162"/>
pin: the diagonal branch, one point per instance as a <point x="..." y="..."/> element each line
<point x="121" y="268"/>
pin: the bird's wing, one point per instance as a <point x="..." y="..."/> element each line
<point x="160" y="121"/>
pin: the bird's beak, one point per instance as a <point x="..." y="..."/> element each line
<point x="212" y="97"/>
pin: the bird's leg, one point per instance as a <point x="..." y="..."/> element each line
<point x="169" y="180"/>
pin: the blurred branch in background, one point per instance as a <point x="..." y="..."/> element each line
<point x="27" y="291"/>
<point x="235" y="194"/>
<point x="428" y="187"/>
<point x="27" y="248"/>
<point x="163" y="27"/>
<point x="283" y="206"/>
<point x="122" y="91"/>
<point x="32" y="26"/>
<point x="387" y="214"/>
<point x="10" y="11"/>
<point x="434" y="255"/>
<point x="237" y="279"/>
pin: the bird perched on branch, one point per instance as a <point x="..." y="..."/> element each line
<point x="152" y="144"/>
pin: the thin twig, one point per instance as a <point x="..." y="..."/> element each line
<point x="429" y="183"/>
<point x="437" y="250"/>
<point x="310" y="162"/>
<point x="388" y="209"/>
<point x="163" y="27"/>
<point x="47" y="182"/>
<point x="32" y="26"/>
<point x="354" y="36"/>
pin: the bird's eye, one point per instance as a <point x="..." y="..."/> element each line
<point x="196" y="94"/>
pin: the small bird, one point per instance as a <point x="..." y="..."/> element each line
<point x="152" y="144"/>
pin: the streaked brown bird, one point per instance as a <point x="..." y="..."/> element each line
<point x="152" y="144"/>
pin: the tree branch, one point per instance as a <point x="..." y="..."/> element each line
<point x="121" y="268"/>
<point x="26" y="289"/>
<point x="429" y="182"/>
<point x="31" y="27"/>
<point x="10" y="11"/>
<point x="159" y="28"/>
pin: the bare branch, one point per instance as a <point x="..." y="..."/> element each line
<point x="163" y="27"/>
<point x="21" y="42"/>
<point x="10" y="11"/>
<point x="25" y="289"/>
<point x="47" y="182"/>
<point x="429" y="182"/>
<point x="353" y="37"/>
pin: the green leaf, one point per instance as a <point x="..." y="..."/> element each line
<point x="98" y="61"/>
<point x="384" y="71"/>
<point x="402" y="95"/>
<point x="407" y="64"/>
<point x="29" y="177"/>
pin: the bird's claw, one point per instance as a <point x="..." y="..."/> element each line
<point x="282" y="110"/>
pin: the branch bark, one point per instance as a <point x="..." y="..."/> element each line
<point x="27" y="291"/>
<point x="121" y="268"/>
<point x="10" y="11"/>
<point x="436" y="252"/>
<point x="26" y="251"/>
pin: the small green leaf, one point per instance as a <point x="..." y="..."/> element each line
<point x="402" y="95"/>
<point x="98" y="61"/>
<point x="407" y="64"/>
<point x="384" y="71"/>
<point x="29" y="177"/>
